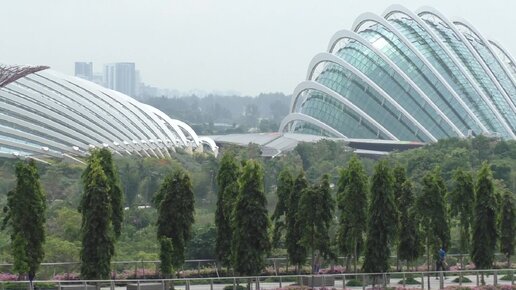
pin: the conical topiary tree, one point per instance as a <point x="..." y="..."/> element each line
<point x="284" y="187"/>
<point x="315" y="215"/>
<point x="352" y="202"/>
<point x="508" y="226"/>
<point x="381" y="227"/>
<point x="250" y="222"/>
<point x="227" y="177"/>
<point x="484" y="221"/>
<point x="25" y="219"/>
<point x="296" y="251"/>
<point x="175" y="204"/>
<point x="461" y="200"/>
<point x="97" y="233"/>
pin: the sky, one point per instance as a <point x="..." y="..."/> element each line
<point x="242" y="46"/>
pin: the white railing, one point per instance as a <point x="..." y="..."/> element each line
<point x="419" y="280"/>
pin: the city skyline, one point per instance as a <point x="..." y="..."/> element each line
<point x="236" y="46"/>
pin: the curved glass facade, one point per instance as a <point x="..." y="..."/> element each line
<point x="45" y="113"/>
<point x="418" y="75"/>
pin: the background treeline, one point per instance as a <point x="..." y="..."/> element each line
<point x="140" y="180"/>
<point x="226" y="114"/>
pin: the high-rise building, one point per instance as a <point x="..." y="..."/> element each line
<point x="84" y="70"/>
<point x="121" y="77"/>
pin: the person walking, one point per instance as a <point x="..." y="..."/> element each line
<point x="440" y="264"/>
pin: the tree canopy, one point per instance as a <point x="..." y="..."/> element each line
<point x="175" y="204"/>
<point x="381" y="226"/>
<point x="25" y="219"/>
<point x="250" y="222"/>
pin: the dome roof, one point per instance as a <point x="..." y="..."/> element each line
<point x="46" y="113"/>
<point x="407" y="76"/>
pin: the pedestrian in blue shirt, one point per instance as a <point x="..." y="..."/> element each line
<point x="440" y="264"/>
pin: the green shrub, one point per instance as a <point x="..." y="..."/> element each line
<point x="464" y="280"/>
<point x="508" y="277"/>
<point x="409" y="281"/>
<point x="354" y="283"/>
<point x="238" y="287"/>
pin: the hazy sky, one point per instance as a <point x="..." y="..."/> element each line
<point x="224" y="45"/>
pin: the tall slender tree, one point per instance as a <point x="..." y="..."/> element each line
<point x="175" y="204"/>
<point x="461" y="200"/>
<point x="295" y="250"/>
<point x="115" y="190"/>
<point x="352" y="202"/>
<point x="25" y="219"/>
<point x="381" y="227"/>
<point x="508" y="226"/>
<point x="97" y="233"/>
<point x="227" y="177"/>
<point x="315" y="215"/>
<point x="409" y="240"/>
<point x="484" y="221"/>
<point x="250" y="222"/>
<point x="284" y="187"/>
<point x="432" y="214"/>
<point x="400" y="176"/>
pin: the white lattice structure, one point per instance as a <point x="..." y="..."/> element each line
<point x="45" y="113"/>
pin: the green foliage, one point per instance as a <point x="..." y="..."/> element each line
<point x="115" y="192"/>
<point x="464" y="280"/>
<point x="58" y="250"/>
<point x="409" y="281"/>
<point x="284" y="187"/>
<point x="250" y="222"/>
<point x="25" y="219"/>
<point x="484" y="222"/>
<point x="354" y="283"/>
<point x="352" y="203"/>
<point x="202" y="243"/>
<point x="507" y="224"/>
<point x="382" y="220"/>
<point x="227" y="177"/>
<point x="296" y="252"/>
<point x="96" y="229"/>
<point x="165" y="256"/>
<point x="461" y="200"/>
<point x="175" y="204"/>
<point x="409" y="237"/>
<point x="432" y="213"/>
<point x="315" y="215"/>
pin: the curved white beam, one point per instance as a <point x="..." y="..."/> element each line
<point x="407" y="13"/>
<point x="327" y="57"/>
<point x="45" y="142"/>
<point x="465" y="24"/>
<point x="72" y="94"/>
<point x="311" y="85"/>
<point x="363" y="18"/>
<point x="346" y="34"/>
<point x="67" y="116"/>
<point x="506" y="54"/>
<point x="311" y="120"/>
<point x="484" y="66"/>
<point x="52" y="133"/>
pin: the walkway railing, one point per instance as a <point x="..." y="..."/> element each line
<point x="414" y="280"/>
<point x="200" y="267"/>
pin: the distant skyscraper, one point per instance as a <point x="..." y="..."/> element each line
<point x="84" y="70"/>
<point x="121" y="77"/>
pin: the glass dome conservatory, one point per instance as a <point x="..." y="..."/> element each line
<point x="407" y="76"/>
<point x="45" y="113"/>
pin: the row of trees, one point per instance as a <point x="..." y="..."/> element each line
<point x="102" y="211"/>
<point x="373" y="216"/>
